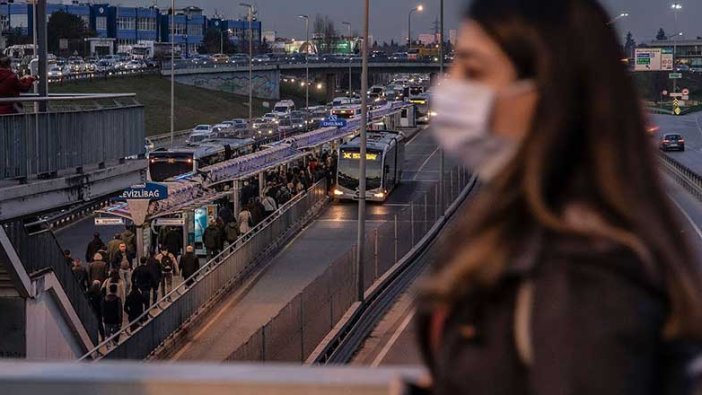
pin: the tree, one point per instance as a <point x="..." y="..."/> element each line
<point x="212" y="42"/>
<point x="64" y="25"/>
<point x="630" y="45"/>
<point x="661" y="35"/>
<point x="325" y="33"/>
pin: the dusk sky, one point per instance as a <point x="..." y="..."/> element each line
<point x="389" y="17"/>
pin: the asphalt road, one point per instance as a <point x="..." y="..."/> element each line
<point x="303" y="259"/>
<point x="690" y="126"/>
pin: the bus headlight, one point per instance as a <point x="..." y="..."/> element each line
<point x="379" y="195"/>
<point x="338" y="192"/>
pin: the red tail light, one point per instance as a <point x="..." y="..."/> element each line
<point x="681" y="141"/>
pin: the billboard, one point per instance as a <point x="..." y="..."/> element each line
<point x="653" y="59"/>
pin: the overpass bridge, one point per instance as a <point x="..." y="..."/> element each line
<point x="266" y="77"/>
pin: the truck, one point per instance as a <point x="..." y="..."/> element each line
<point x="283" y="108"/>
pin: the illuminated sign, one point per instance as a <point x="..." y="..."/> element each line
<point x="357" y="155"/>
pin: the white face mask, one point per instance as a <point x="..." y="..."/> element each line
<point x="462" y="124"/>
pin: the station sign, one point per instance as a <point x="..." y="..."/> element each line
<point x="169" y="221"/>
<point x="675" y="76"/>
<point x="333" y="121"/>
<point x="148" y="191"/>
<point x="108" y="221"/>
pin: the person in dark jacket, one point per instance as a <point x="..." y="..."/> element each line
<point x="112" y="313"/>
<point x="173" y="241"/>
<point x="189" y="264"/>
<point x="142" y="277"/>
<point x="134" y="306"/>
<point x="12" y="86"/>
<point x="94" y="295"/>
<point x="212" y="238"/>
<point x="81" y="274"/>
<point x="154" y="267"/>
<point x="97" y="269"/>
<point x="94" y="246"/>
<point x="567" y="273"/>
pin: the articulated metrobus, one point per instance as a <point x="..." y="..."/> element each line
<point x="165" y="164"/>
<point x="385" y="158"/>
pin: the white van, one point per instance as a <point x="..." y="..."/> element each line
<point x="283" y="108"/>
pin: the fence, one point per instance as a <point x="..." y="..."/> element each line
<point x="217" y="276"/>
<point x="40" y="252"/>
<point x="687" y="178"/>
<point x="302" y="324"/>
<point x="74" y="131"/>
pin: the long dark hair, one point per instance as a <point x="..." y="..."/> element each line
<point x="587" y="144"/>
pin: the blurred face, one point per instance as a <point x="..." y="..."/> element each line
<point x="480" y="59"/>
<point x="122" y="247"/>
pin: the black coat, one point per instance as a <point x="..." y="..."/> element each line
<point x="94" y="246"/>
<point x="173" y="241"/>
<point x="142" y="278"/>
<point x="135" y="304"/>
<point x="595" y="328"/>
<point x="112" y="310"/>
<point x="189" y="264"/>
<point x="155" y="270"/>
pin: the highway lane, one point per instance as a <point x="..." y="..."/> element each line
<point x="303" y="259"/>
<point x="690" y="126"/>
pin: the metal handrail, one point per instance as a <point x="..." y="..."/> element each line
<point x="32" y="98"/>
<point x="199" y="275"/>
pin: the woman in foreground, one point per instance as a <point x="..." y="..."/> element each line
<point x="568" y="274"/>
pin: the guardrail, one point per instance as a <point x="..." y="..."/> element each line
<point x="74" y="131"/>
<point x="39" y="252"/>
<point x="101" y="75"/>
<point x="186" y="302"/>
<point x="272" y="65"/>
<point x="688" y="179"/>
<point x="299" y="327"/>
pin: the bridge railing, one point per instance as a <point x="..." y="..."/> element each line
<point x="41" y="252"/>
<point x="61" y="132"/>
<point x="187" y="300"/>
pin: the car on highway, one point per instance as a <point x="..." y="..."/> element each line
<point x="270" y="117"/>
<point x="55" y="73"/>
<point x="239" y="58"/>
<point x="134" y="65"/>
<point x="220" y="58"/>
<point x="399" y="57"/>
<point x="672" y="142"/>
<point x="262" y="59"/>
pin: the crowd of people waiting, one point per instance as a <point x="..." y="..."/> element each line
<point x="113" y="283"/>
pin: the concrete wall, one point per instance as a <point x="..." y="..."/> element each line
<point x="266" y="83"/>
<point x="12" y="327"/>
<point x="49" y="337"/>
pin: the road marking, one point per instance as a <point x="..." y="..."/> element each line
<point x="697" y="121"/>
<point x="426" y="161"/>
<point x="689" y="219"/>
<point x="416" y="135"/>
<point x="393" y="339"/>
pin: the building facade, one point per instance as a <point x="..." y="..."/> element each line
<point x="687" y="53"/>
<point x="130" y="25"/>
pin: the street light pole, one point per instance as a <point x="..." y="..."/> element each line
<point x="307" y="59"/>
<point x="361" y="236"/>
<point x="441" y="73"/>
<point x="250" y="18"/>
<point x="221" y="41"/>
<point x="350" y="70"/>
<point x="618" y="17"/>
<point x="419" y="8"/>
<point x="676" y="7"/>
<point x="172" y="71"/>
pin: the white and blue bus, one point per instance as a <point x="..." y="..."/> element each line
<point x="385" y="158"/>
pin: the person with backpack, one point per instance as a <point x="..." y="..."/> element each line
<point x="567" y="272"/>
<point x="112" y="313"/>
<point x="169" y="268"/>
<point x="114" y="279"/>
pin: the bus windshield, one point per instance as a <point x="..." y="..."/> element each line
<point x="348" y="168"/>
<point x="164" y="165"/>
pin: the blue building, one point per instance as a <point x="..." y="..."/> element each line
<point x="237" y="30"/>
<point x="129" y="25"/>
<point x="189" y="29"/>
